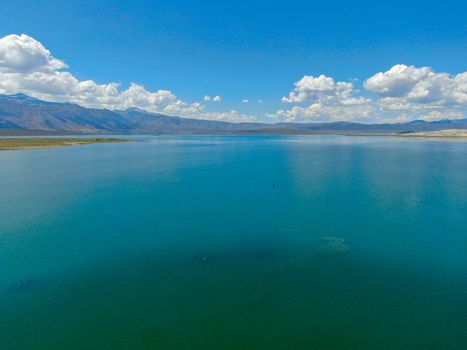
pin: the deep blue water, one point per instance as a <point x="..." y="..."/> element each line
<point x="184" y="243"/>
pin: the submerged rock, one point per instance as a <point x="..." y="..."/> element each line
<point x="23" y="285"/>
<point x="334" y="245"/>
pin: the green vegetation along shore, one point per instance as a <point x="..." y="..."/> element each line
<point x="31" y="143"/>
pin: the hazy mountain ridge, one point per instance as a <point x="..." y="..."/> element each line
<point x="21" y="112"/>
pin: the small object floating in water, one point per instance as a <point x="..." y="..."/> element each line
<point x="334" y="245"/>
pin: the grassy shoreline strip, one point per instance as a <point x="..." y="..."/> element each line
<point x="8" y="144"/>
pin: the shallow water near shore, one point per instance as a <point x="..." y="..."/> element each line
<point x="182" y="242"/>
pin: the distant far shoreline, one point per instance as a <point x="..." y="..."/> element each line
<point x="33" y="140"/>
<point x="438" y="133"/>
<point x="11" y="144"/>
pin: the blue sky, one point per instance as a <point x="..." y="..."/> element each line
<point x="254" y="50"/>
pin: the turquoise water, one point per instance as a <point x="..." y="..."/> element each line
<point x="183" y="243"/>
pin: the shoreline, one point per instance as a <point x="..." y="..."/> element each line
<point x="17" y="143"/>
<point x="30" y="143"/>
<point x="446" y="133"/>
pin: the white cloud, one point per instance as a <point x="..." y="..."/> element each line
<point x="260" y="101"/>
<point x="231" y="116"/>
<point x="322" y="89"/>
<point x="445" y="114"/>
<point x="402" y="93"/>
<point x="397" y="81"/>
<point x="411" y="85"/>
<point x="330" y="101"/>
<point x="401" y="118"/>
<point x="21" y="53"/>
<point x="27" y="66"/>
<point x="216" y="99"/>
<point x="297" y="113"/>
<point x="420" y="93"/>
<point x="245" y="101"/>
<point x="318" y="112"/>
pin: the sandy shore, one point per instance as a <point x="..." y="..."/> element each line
<point x="439" y="133"/>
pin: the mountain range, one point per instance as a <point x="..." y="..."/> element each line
<point x="20" y="113"/>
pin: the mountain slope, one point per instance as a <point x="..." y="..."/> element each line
<point x="24" y="112"/>
<point x="32" y="114"/>
<point x="21" y="112"/>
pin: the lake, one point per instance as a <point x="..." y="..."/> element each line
<point x="235" y="242"/>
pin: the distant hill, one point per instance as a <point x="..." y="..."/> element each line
<point x="23" y="114"/>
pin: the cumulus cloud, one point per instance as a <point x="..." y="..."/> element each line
<point x="319" y="112"/>
<point x="445" y="114"/>
<point x="21" y="53"/>
<point x="329" y="100"/>
<point x="420" y="92"/>
<point x="397" y="81"/>
<point x="402" y="93"/>
<point x="207" y="98"/>
<point x="216" y="99"/>
<point x="408" y="84"/>
<point x="245" y="101"/>
<point x="232" y="115"/>
<point x="27" y="66"/>
<point x="323" y="89"/>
